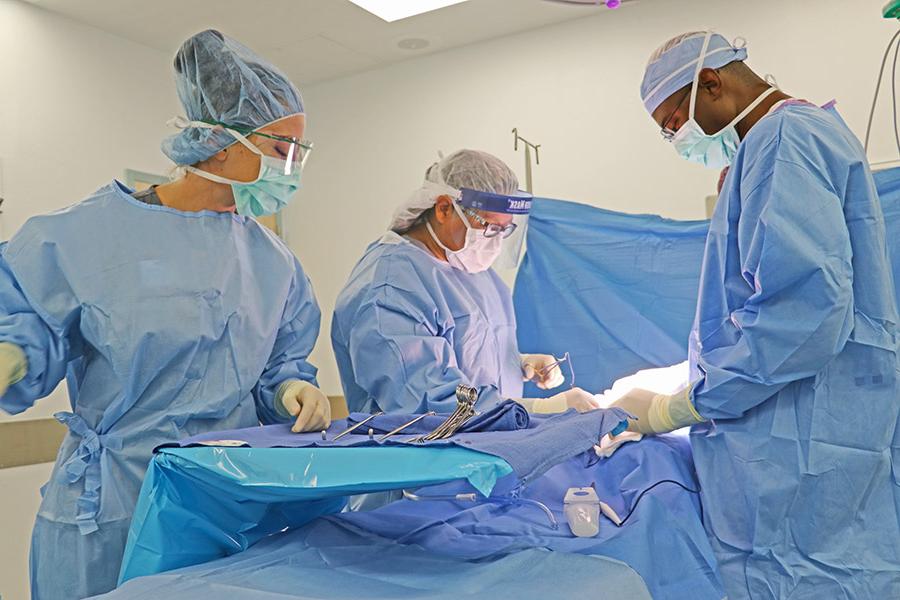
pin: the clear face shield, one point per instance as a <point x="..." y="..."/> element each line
<point x="511" y="231"/>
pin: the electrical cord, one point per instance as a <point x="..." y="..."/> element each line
<point x="894" y="95"/>
<point x="887" y="53"/>
<point x="641" y="495"/>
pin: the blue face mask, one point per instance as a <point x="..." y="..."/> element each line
<point x="715" y="150"/>
<point x="269" y="193"/>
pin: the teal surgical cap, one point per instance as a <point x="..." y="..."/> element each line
<point x="674" y="64"/>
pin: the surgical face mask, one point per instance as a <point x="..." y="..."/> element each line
<point x="715" y="150"/>
<point x="269" y="193"/>
<point x="277" y="181"/>
<point x="478" y="252"/>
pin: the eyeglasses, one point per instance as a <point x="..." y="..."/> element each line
<point x="291" y="150"/>
<point x="667" y="133"/>
<point x="491" y="229"/>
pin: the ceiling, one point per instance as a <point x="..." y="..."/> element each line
<point x="316" y="40"/>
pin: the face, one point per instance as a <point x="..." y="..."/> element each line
<point x="452" y="231"/>
<point x="239" y="163"/>
<point x="714" y="107"/>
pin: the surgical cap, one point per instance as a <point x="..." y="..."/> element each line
<point x="471" y="169"/>
<point x="674" y="64"/>
<point x="222" y="81"/>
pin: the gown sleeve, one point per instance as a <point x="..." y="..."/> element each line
<point x="46" y="331"/>
<point x="294" y="342"/>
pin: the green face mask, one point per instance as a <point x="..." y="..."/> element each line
<point x="269" y="193"/>
<point x="275" y="184"/>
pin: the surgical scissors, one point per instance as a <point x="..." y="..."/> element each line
<point x="466" y="397"/>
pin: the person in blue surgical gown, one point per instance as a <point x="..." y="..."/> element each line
<point x="793" y="354"/>
<point x="424" y="312"/>
<point x="170" y="312"/>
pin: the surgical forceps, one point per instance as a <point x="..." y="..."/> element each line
<point x="565" y="359"/>
<point x="466" y="397"/>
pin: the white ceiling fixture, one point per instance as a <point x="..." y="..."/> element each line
<point x="394" y="10"/>
<point x="606" y="3"/>
<point x="413" y="43"/>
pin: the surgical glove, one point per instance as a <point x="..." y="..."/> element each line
<point x="537" y="368"/>
<point x="13" y="366"/>
<point x="305" y="401"/>
<point x="576" y="398"/>
<point x="658" y="413"/>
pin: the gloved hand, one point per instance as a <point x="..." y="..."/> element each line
<point x="13" y="366"/>
<point x="534" y="368"/>
<point x="305" y="401"/>
<point x="576" y="398"/>
<point x="659" y="413"/>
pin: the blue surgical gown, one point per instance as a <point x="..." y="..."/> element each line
<point x="794" y="355"/>
<point x="408" y="328"/>
<point x="166" y="324"/>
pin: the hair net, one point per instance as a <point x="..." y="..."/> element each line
<point x="471" y="169"/>
<point x="673" y="65"/>
<point x="222" y="81"/>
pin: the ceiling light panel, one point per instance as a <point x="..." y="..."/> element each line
<point x="394" y="10"/>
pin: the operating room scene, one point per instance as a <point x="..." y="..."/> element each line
<point x="378" y="299"/>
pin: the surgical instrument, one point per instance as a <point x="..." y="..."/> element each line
<point x="565" y="359"/>
<point x="405" y="425"/>
<point x="353" y="428"/>
<point x="502" y="500"/>
<point x="466" y="397"/>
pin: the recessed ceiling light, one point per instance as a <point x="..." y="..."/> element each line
<point x="394" y="10"/>
<point x="413" y="44"/>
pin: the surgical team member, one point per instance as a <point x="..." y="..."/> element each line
<point x="423" y="311"/>
<point x="793" y="353"/>
<point x="169" y="313"/>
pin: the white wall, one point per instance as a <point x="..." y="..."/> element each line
<point x="574" y="88"/>
<point x="77" y="107"/>
<point x="18" y="507"/>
